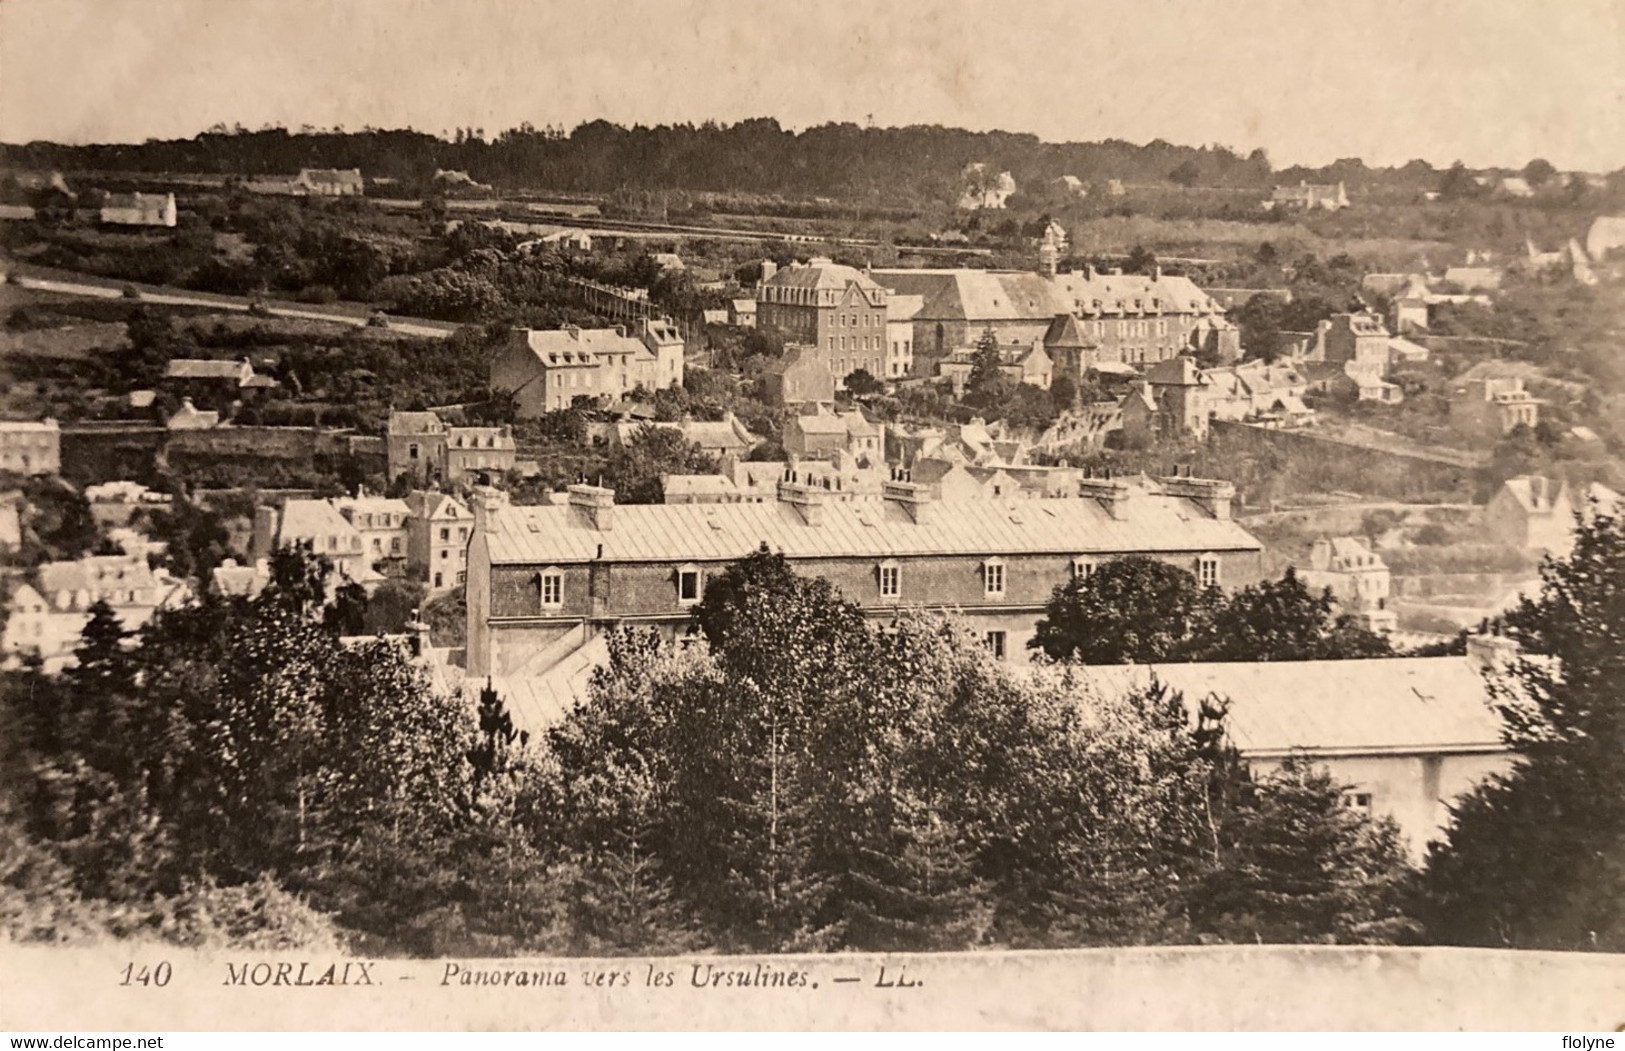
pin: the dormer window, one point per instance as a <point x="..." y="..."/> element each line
<point x="1207" y="570"/>
<point x="891" y="579"/>
<point x="550" y="587"/>
<point x="689" y="585"/>
<point x="993" y="578"/>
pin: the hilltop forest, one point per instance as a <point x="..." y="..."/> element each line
<point x="753" y="156"/>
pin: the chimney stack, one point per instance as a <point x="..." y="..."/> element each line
<point x="919" y="500"/>
<point x="1211" y="494"/>
<point x="597" y="503"/>
<point x="485" y="502"/>
<point x="1490" y="652"/>
<point x="417" y="634"/>
<point x="808" y="499"/>
<point x="1112" y="494"/>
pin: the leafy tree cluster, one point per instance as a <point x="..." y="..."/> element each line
<point x="1142" y="610"/>
<point x="236" y="751"/>
<point x="802" y="779"/>
<point x="634" y="470"/>
<point x="809" y="781"/>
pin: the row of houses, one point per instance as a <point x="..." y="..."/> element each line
<point x="47" y="610"/>
<point x="366" y="537"/>
<point x="30" y="447"/>
<point x="546" y="370"/>
<point x="312" y="182"/>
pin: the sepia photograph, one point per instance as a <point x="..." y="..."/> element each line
<point x="728" y="515"/>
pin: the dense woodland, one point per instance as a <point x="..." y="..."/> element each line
<point x="803" y="779"/>
<point x="904" y="165"/>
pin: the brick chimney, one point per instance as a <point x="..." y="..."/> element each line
<point x="417" y="634"/>
<point x="485" y="502"/>
<point x="1490" y="652"/>
<point x="267" y="519"/>
<point x="1112" y="494"/>
<point x="1210" y="494"/>
<point x="800" y="493"/>
<point x="597" y="503"/>
<point x="921" y="501"/>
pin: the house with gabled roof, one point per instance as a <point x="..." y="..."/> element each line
<point x="1533" y="513"/>
<point x="318" y="526"/>
<point x="437" y="533"/>
<point x="330" y="182"/>
<point x="138" y="209"/>
<point x="47" y="615"/>
<point x="1357" y="577"/>
<point x="822" y="435"/>
<point x="1309" y="197"/>
<point x="547" y="369"/>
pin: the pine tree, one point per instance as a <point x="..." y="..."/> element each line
<point x="1535" y="858"/>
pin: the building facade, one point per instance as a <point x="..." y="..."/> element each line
<point x="381" y="521"/>
<point x="539" y="576"/>
<point x="1488" y="407"/>
<point x="1081" y="318"/>
<point x="1407" y="735"/>
<point x="437" y="535"/>
<point x="1358" y="577"/>
<point x="838" y="312"/>
<point x="421" y="447"/>
<point x="30" y="446"/>
<point x="1534" y="513"/>
<point x="546" y="370"/>
<point x="139" y="209"/>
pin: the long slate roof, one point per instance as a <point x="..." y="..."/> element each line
<point x="1010" y="295"/>
<point x="1395" y="705"/>
<point x="725" y="532"/>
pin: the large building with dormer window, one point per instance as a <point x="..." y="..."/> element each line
<point x="1082" y="318"/>
<point x="838" y="311"/>
<point x="545" y="580"/>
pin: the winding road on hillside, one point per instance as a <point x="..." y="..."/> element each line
<point x="101" y="288"/>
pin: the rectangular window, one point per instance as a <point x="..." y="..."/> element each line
<point x="891" y="581"/>
<point x="552" y="589"/>
<point x="445" y="535"/>
<point x="412" y="452"/>
<point x="996" y="644"/>
<point x="1360" y="801"/>
<point x="688" y="586"/>
<point x="993" y="577"/>
<point x="1207" y="571"/>
<point x="438" y="580"/>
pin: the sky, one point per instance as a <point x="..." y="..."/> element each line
<point x="1490" y="82"/>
